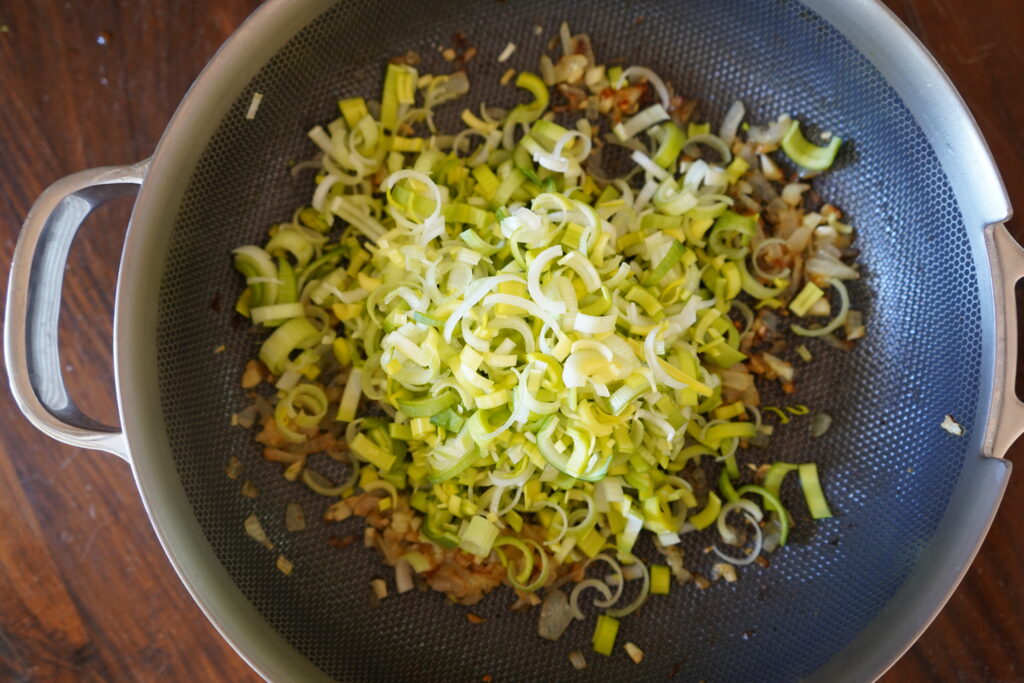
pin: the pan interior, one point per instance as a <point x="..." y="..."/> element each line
<point x="887" y="471"/>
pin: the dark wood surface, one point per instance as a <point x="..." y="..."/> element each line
<point x="85" y="590"/>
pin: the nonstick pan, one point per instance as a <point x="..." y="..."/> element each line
<point x="912" y="502"/>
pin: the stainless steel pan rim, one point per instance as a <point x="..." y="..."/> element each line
<point x="140" y="440"/>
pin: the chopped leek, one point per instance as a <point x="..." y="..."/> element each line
<point x="806" y="154"/>
<point x="295" y="334"/>
<point x="771" y="501"/>
<point x="661" y="579"/>
<point x="371" y="452"/>
<point x="836" y="322"/>
<point x="605" y="631"/>
<point x="527" y="358"/>
<point x="671" y="145"/>
<point x="428" y="406"/>
<point x="709" y="514"/>
<point x="635" y="653"/>
<point x="807" y="297"/>
<point x="812" y="491"/>
<point x="479" y="537"/>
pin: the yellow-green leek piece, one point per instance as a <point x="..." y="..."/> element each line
<point x="807" y="297"/>
<point x="772" y="500"/>
<point x="812" y="491"/>
<point x="605" y="632"/>
<point x="709" y="514"/>
<point x="806" y="154"/>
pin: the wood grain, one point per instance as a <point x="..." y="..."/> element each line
<point x="85" y="590"/>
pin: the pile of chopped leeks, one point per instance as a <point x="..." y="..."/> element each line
<point x="527" y="363"/>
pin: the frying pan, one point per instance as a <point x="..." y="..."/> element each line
<point x="912" y="502"/>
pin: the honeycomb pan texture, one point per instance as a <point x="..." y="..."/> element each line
<point x="887" y="470"/>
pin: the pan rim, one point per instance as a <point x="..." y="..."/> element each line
<point x="223" y="79"/>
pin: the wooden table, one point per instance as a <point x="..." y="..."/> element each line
<point x="85" y="590"/>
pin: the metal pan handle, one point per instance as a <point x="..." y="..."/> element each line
<point x="1007" y="421"/>
<point x="33" y="304"/>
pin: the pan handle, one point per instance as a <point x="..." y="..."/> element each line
<point x="1007" y="421"/>
<point x="33" y="304"/>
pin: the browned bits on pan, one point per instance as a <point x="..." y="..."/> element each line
<point x="624" y="101"/>
<point x="681" y="109"/>
<point x="577" y="571"/>
<point x="234" y="468"/>
<point x="831" y="211"/>
<point x="576" y="98"/>
<point x="812" y="201"/>
<point x="253" y="374"/>
<point x="475" y="619"/>
<point x="628" y="98"/>
<point x="647" y="97"/>
<point x="463" y="57"/>
<point x="281" y="456"/>
<point x="338" y="512"/>
<point x="410" y="58"/>
<point x="460" y="52"/>
<point x="343" y="542"/>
